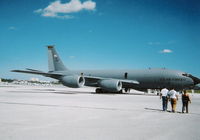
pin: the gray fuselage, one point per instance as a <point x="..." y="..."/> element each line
<point x="147" y="78"/>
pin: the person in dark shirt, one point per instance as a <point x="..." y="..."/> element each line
<point x="185" y="100"/>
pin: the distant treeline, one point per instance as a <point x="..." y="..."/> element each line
<point x="7" y="80"/>
<point x="195" y="91"/>
<point x="12" y="80"/>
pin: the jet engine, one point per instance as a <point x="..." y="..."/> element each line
<point x="110" y="85"/>
<point x="73" y="81"/>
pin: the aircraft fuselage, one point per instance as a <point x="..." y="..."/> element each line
<point x="148" y="78"/>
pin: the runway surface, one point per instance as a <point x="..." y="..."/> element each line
<point x="56" y="113"/>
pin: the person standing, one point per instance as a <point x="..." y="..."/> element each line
<point x="164" y="97"/>
<point x="173" y="98"/>
<point x="185" y="100"/>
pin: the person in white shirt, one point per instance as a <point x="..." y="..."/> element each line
<point x="173" y="98"/>
<point x="164" y="97"/>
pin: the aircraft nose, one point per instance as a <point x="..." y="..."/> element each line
<point x="195" y="79"/>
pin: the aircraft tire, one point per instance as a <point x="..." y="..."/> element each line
<point x="98" y="90"/>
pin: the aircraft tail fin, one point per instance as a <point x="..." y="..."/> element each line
<point x="54" y="61"/>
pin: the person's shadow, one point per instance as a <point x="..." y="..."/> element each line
<point x="160" y="110"/>
<point x="153" y="109"/>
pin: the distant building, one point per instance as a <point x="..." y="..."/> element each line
<point x="0" y="80"/>
<point x="34" y="79"/>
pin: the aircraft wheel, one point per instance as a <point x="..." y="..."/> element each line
<point x="98" y="90"/>
<point x="127" y="90"/>
<point x="121" y="91"/>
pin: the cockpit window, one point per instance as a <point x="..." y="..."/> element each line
<point x="186" y="74"/>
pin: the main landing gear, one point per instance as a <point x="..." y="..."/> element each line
<point x="100" y="90"/>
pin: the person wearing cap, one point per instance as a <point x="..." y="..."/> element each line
<point x="164" y="97"/>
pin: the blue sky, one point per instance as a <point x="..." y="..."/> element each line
<point x="100" y="34"/>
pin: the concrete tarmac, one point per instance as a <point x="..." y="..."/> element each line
<point x="61" y="113"/>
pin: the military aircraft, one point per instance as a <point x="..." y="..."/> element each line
<point x="115" y="81"/>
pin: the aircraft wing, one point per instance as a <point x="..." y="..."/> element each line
<point x="31" y="71"/>
<point x="130" y="82"/>
<point x="90" y="80"/>
<point x="96" y="79"/>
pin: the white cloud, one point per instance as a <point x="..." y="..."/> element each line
<point x="12" y="28"/>
<point x="153" y="43"/>
<point x="166" y="51"/>
<point x="90" y="31"/>
<point x="57" y="9"/>
<point x="171" y="42"/>
<point x="100" y="14"/>
<point x="72" y="57"/>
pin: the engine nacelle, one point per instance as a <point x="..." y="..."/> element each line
<point x="110" y="85"/>
<point x="73" y="81"/>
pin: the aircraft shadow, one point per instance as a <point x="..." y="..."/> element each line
<point x="71" y="92"/>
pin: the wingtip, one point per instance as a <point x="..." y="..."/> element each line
<point x="13" y="70"/>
